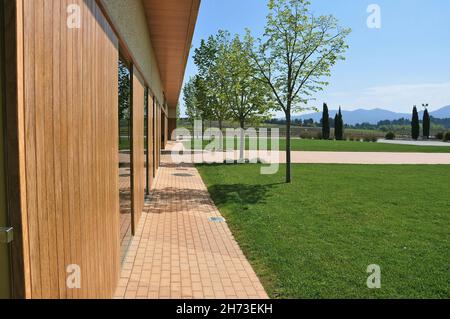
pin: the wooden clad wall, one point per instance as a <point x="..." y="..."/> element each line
<point x="158" y="136"/>
<point x="172" y="125"/>
<point x="138" y="158"/>
<point x="150" y="152"/>
<point x="71" y="149"/>
<point x="166" y="130"/>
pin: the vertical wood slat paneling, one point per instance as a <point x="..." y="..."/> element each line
<point x="30" y="147"/>
<point x="158" y="151"/>
<point x="65" y="98"/>
<point x="166" y="130"/>
<point x="138" y="157"/>
<point x="71" y="151"/>
<point x="157" y="135"/>
<point x="150" y="151"/>
<point x="154" y="109"/>
<point x="56" y="78"/>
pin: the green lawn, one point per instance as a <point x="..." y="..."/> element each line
<point x="344" y="146"/>
<point x="315" y="237"/>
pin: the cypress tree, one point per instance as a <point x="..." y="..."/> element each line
<point x="426" y="124"/>
<point x="415" y="125"/>
<point x="339" y="126"/>
<point x="336" y="126"/>
<point x="325" y="123"/>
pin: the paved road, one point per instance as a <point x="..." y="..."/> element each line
<point x="318" y="157"/>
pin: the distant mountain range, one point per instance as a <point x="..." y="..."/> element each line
<point x="373" y="116"/>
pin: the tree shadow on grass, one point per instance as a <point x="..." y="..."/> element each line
<point x="240" y="194"/>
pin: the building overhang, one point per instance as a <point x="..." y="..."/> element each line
<point x="171" y="24"/>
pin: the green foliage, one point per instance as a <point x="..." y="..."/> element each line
<point x="339" y="126"/>
<point x="440" y="136"/>
<point x="415" y="125"/>
<point x="195" y="100"/>
<point x="325" y="122"/>
<point x="229" y="90"/>
<point x="124" y="91"/>
<point x="295" y="56"/>
<point x="390" y="136"/>
<point x="209" y="60"/>
<point x="426" y="124"/>
<point x="248" y="99"/>
<point x="189" y="100"/>
<point x="447" y="137"/>
<point x="297" y="52"/>
<point x="370" y="138"/>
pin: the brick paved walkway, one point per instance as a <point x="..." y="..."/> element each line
<point x="178" y="252"/>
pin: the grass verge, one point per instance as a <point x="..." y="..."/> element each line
<point x="315" y="237"/>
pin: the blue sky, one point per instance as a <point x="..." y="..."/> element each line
<point x="405" y="62"/>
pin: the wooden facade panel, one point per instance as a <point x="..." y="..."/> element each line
<point x="138" y="158"/>
<point x="71" y="149"/>
<point x="151" y="144"/>
<point x="172" y="125"/>
<point x="166" y="130"/>
<point x="157" y="136"/>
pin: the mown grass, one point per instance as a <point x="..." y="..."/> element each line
<point x="335" y="146"/>
<point x="315" y="237"/>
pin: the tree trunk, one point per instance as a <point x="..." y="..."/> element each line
<point x="288" y="147"/>
<point x="202" y="131"/>
<point x="242" y="142"/>
<point x="221" y="138"/>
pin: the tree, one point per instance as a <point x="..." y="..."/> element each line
<point x="325" y="122"/>
<point x="339" y="126"/>
<point x="415" y="125"/>
<point x="294" y="56"/>
<point x="208" y="59"/>
<point x="124" y="91"/>
<point x="426" y="122"/>
<point x="247" y="98"/>
<point x="124" y="98"/>
<point x="196" y="101"/>
<point x="190" y="103"/>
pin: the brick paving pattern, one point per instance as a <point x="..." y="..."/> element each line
<point x="178" y="253"/>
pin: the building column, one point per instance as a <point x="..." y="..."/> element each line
<point x="172" y="122"/>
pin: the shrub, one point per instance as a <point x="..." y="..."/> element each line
<point x="447" y="137"/>
<point x="319" y="136"/>
<point x="369" y="138"/>
<point x="440" y="136"/>
<point x="390" y="136"/>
